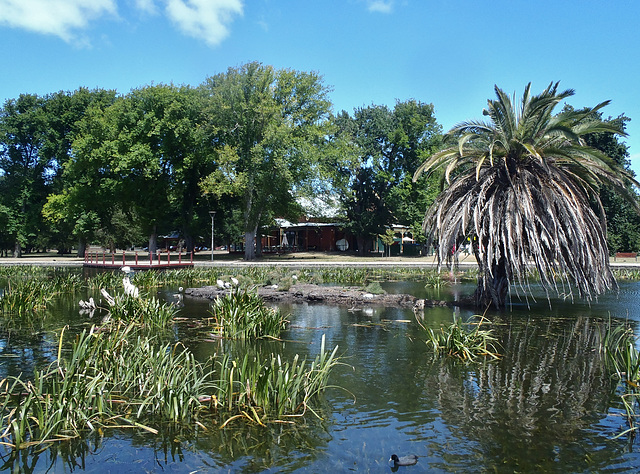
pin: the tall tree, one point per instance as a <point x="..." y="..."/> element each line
<point x="24" y="169"/>
<point x="64" y="113"/>
<point x="623" y="222"/>
<point x="390" y="145"/>
<point x="140" y="159"/>
<point x="520" y="186"/>
<point x="268" y="127"/>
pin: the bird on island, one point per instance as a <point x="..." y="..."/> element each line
<point x="408" y="460"/>
<point x="234" y="281"/>
<point x="220" y="284"/>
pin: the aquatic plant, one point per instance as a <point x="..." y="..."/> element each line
<point x="146" y="311"/>
<point x="22" y="297"/>
<point x="619" y="344"/>
<point x="256" y="390"/>
<point x="125" y="379"/>
<point x="106" y="279"/>
<point x="244" y="315"/>
<point x="374" y="288"/>
<point x="110" y="380"/>
<point x="458" y="341"/>
<point x="435" y="280"/>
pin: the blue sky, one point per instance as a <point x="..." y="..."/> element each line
<point x="449" y="53"/>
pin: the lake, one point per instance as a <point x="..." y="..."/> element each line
<point x="547" y="405"/>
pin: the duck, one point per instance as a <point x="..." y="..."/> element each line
<point x="408" y="460"/>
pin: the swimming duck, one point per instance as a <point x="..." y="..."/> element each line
<point x="408" y="460"/>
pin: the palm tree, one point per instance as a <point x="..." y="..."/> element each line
<point x="523" y="187"/>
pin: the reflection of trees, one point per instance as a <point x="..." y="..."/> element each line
<point x="526" y="410"/>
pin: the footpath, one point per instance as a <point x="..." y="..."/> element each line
<point x="294" y="260"/>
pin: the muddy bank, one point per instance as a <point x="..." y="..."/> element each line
<point x="333" y="295"/>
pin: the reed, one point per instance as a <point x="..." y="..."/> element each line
<point x="25" y="297"/>
<point x="106" y="279"/>
<point x="258" y="391"/>
<point x="434" y="279"/>
<point x="619" y="344"/>
<point x="110" y="380"/>
<point x="148" y="312"/>
<point x="458" y="341"/>
<point x="244" y="315"/>
<point x="125" y="379"/>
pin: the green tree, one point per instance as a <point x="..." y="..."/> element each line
<point x="64" y="113"/>
<point x="24" y="168"/>
<point x="520" y="186"/>
<point x="623" y="222"/>
<point x="139" y="160"/>
<point x="269" y="128"/>
<point x="389" y="145"/>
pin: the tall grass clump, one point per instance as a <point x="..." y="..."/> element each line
<point x="244" y="315"/>
<point x="258" y="391"/>
<point x="458" y="341"/>
<point x="125" y="379"/>
<point x="619" y="344"/>
<point x="131" y="306"/>
<point x="109" y="380"/>
<point x="22" y="297"/>
<point x="149" y="312"/>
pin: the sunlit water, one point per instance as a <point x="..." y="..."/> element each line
<point x="545" y="406"/>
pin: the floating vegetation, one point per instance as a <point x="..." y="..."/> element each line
<point x="374" y="288"/>
<point x="244" y="315"/>
<point x="123" y="379"/>
<point x="458" y="341"/>
<point x="619" y="344"/>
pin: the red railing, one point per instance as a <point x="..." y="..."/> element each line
<point x="100" y="258"/>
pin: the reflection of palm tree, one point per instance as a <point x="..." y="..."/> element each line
<point x="529" y="405"/>
<point x="520" y="185"/>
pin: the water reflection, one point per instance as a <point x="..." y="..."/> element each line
<point x="547" y="405"/>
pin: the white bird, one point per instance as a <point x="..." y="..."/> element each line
<point x="220" y="284"/>
<point x="126" y="269"/>
<point x="129" y="288"/>
<point x="234" y="281"/>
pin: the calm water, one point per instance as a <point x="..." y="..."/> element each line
<point x="546" y="406"/>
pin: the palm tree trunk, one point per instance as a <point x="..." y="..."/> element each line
<point x="494" y="290"/>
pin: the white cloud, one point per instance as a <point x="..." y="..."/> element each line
<point x="62" y="18"/>
<point x="380" y="6"/>
<point x="204" y="19"/>
<point x="148" y="6"/>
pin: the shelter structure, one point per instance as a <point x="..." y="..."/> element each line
<point x="307" y="235"/>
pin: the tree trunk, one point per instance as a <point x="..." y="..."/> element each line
<point x="17" y="250"/>
<point x="189" y="243"/>
<point x="153" y="242"/>
<point x="360" y="242"/>
<point x="250" y="245"/>
<point x="82" y="247"/>
<point x="493" y="290"/>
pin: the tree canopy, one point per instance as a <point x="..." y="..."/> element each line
<point x="268" y="128"/>
<point x="388" y="146"/>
